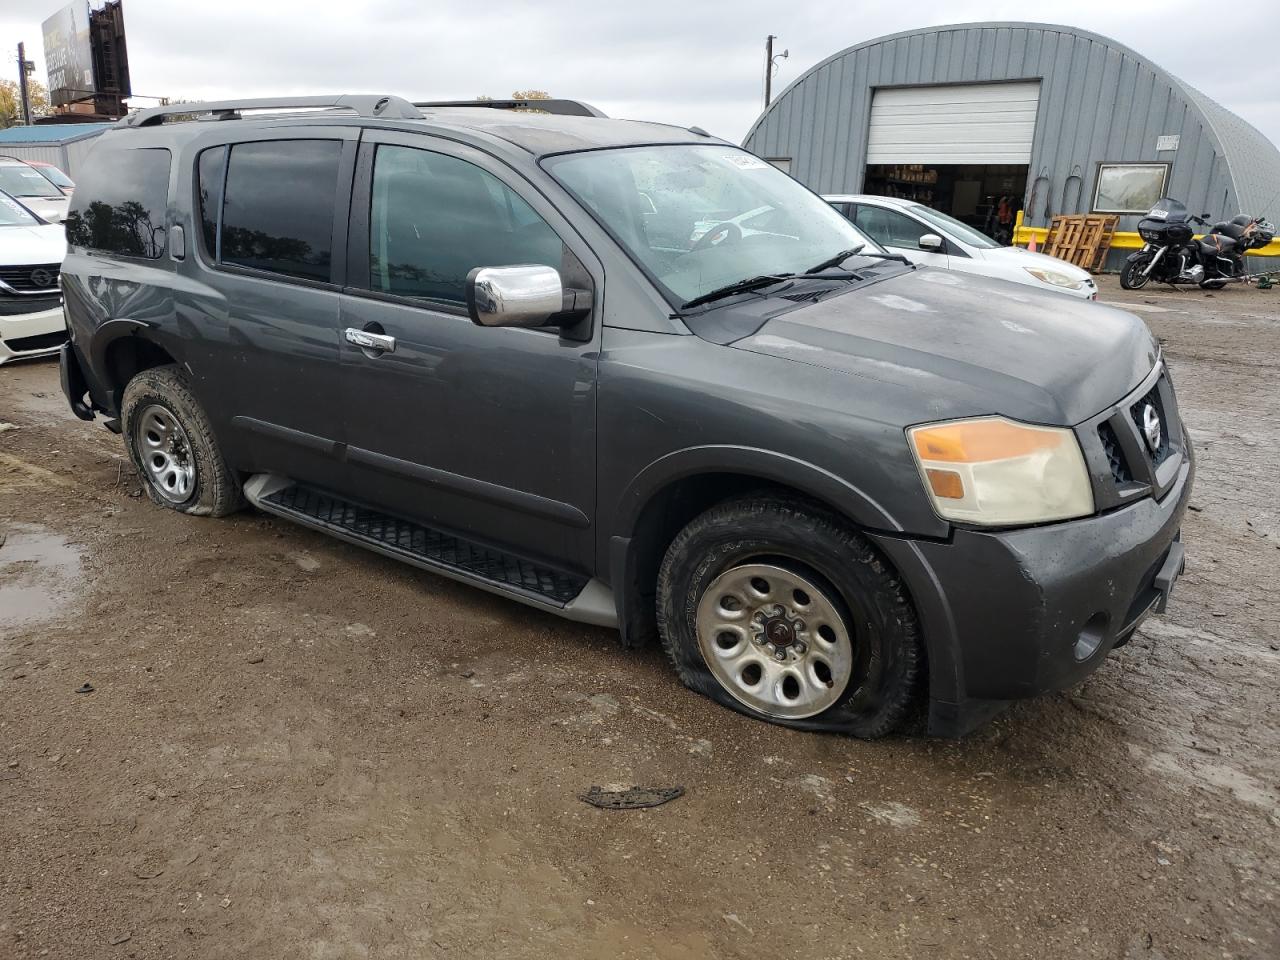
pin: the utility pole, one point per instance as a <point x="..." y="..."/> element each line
<point x="23" y="69"/>
<point x="769" y="65"/>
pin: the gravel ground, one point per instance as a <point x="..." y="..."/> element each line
<point x="294" y="748"/>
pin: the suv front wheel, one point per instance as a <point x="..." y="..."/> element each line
<point x="173" y="448"/>
<point x="776" y="608"/>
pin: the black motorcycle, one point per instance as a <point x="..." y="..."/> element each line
<point x="1171" y="254"/>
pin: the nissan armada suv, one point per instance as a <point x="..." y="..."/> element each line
<point x="633" y="375"/>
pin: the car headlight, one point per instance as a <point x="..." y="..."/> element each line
<point x="1054" y="278"/>
<point x="997" y="472"/>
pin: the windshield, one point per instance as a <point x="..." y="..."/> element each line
<point x="957" y="228"/>
<point x="19" y="180"/>
<point x="13" y="214"/>
<point x="700" y="217"/>
<point x="57" y="177"/>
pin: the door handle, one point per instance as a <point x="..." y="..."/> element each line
<point x="371" y="341"/>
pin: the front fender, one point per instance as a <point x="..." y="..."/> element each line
<point x="792" y="472"/>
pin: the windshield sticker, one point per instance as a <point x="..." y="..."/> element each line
<point x="31" y="174"/>
<point x="744" y="161"/>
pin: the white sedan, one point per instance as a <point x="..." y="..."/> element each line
<point x="31" y="252"/>
<point x="925" y="236"/>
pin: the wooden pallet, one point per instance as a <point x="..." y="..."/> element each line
<point x="1083" y="240"/>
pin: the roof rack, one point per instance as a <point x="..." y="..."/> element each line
<point x="564" y="108"/>
<point x="364" y="105"/>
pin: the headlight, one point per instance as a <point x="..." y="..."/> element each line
<point x="996" y="472"/>
<point x="1054" y="278"/>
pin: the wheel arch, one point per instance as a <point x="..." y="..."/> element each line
<point x="674" y="489"/>
<point x="119" y="351"/>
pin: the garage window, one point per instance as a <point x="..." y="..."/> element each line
<point x="1129" y="187"/>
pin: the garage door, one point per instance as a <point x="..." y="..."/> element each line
<point x="957" y="123"/>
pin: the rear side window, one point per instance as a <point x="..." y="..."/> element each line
<point x="119" y="203"/>
<point x="277" y="205"/>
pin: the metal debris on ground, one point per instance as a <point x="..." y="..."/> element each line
<point x="633" y="798"/>
<point x="87" y="687"/>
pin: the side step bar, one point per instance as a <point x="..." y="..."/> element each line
<point x="569" y="595"/>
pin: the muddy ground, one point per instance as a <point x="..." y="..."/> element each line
<point x="294" y="748"/>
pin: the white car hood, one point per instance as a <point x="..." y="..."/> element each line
<point x="20" y="246"/>
<point x="1020" y="257"/>
<point x="50" y="208"/>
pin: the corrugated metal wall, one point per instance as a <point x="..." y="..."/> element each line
<point x="65" y="156"/>
<point x="1099" y="101"/>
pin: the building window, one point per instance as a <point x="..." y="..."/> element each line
<point x="782" y="163"/>
<point x="1129" y="187"/>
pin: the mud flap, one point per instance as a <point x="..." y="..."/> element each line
<point x="73" y="383"/>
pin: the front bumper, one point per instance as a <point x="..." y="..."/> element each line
<point x="1017" y="613"/>
<point x="32" y="334"/>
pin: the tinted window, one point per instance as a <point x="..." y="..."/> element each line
<point x="278" y="207"/>
<point x="209" y="174"/>
<point x="119" y="203"/>
<point x="20" y="180"/>
<point x="889" y="227"/>
<point x="434" y="218"/>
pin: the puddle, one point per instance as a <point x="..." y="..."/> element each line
<point x="39" y="576"/>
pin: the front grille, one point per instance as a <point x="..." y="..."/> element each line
<point x="1120" y="471"/>
<point x="1138" y="412"/>
<point x="16" y="306"/>
<point x="39" y="276"/>
<point x="41" y="341"/>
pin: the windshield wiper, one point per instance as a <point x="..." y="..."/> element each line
<point x="889" y="256"/>
<point x="838" y="259"/>
<point x="739" y="286"/>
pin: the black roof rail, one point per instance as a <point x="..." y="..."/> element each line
<point x="564" y="108"/>
<point x="364" y="105"/>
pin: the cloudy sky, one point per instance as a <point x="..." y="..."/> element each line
<point x="672" y="60"/>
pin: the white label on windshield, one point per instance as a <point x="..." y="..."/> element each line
<point x="31" y="173"/>
<point x="745" y="161"/>
<point x="1157" y="212"/>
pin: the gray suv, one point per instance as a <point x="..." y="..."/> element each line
<point x="630" y="374"/>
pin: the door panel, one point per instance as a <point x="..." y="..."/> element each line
<point x="270" y="258"/>
<point x="488" y="432"/>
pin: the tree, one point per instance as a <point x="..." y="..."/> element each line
<point x="11" y="101"/>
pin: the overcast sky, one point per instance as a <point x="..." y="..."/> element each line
<point x="678" y="61"/>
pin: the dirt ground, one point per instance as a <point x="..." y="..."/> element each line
<point x="296" y="749"/>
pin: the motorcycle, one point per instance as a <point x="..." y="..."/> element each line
<point x="1171" y="253"/>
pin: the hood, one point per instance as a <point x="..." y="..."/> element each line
<point x="53" y="209"/>
<point x="1021" y="257"/>
<point x="960" y="345"/>
<point x="19" y="245"/>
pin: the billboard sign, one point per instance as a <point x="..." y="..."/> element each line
<point x="68" y="54"/>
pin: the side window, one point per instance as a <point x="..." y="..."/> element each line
<point x="277" y="206"/>
<point x="209" y="173"/>
<point x="841" y="208"/>
<point x="120" y="202"/>
<point x="434" y="218"/>
<point x="890" y="228"/>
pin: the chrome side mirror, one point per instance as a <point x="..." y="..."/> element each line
<point x="524" y="296"/>
<point x="931" y="241"/>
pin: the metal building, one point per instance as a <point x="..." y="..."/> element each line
<point x="62" y="144"/>
<point x="1053" y="119"/>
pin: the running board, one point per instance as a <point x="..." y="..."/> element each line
<point x="556" y="591"/>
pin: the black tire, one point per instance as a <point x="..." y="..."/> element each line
<point x="216" y="489"/>
<point x="888" y="661"/>
<point x="1132" y="277"/>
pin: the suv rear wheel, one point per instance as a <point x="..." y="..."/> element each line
<point x="777" y="609"/>
<point x="173" y="447"/>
